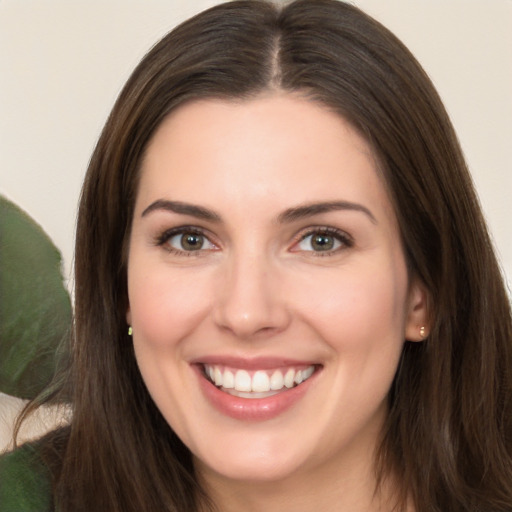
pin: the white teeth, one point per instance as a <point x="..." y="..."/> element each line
<point x="260" y="384"/>
<point x="229" y="380"/>
<point x="243" y="381"/>
<point x="217" y="376"/>
<point x="277" y="380"/>
<point x="307" y="373"/>
<point x="289" y="378"/>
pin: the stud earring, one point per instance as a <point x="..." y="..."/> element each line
<point x="422" y="331"/>
<point x="130" y="330"/>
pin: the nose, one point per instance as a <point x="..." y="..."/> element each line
<point x="250" y="299"/>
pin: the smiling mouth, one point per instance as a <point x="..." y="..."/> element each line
<point x="259" y="383"/>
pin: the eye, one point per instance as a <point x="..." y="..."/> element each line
<point x="324" y="240"/>
<point x="185" y="240"/>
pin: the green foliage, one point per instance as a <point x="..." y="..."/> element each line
<point x="35" y="308"/>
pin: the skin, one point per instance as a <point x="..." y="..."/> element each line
<point x="257" y="287"/>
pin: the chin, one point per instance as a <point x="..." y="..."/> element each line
<point x="260" y="463"/>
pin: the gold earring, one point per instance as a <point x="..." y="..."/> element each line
<point x="130" y="330"/>
<point x="422" y="331"/>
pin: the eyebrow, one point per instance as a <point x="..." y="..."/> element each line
<point x="308" y="210"/>
<point x="289" y="215"/>
<point x="182" y="208"/>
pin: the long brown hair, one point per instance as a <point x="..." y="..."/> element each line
<point x="448" y="438"/>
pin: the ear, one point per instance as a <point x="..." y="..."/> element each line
<point x="128" y="316"/>
<point x="417" y="323"/>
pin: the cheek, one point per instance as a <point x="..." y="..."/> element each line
<point x="164" y="310"/>
<point x="350" y="306"/>
<point x="166" y="305"/>
<point x="362" y="319"/>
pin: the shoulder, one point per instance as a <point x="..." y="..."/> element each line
<point x="25" y="484"/>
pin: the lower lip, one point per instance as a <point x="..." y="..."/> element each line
<point x="252" y="409"/>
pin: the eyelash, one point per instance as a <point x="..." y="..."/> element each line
<point x="162" y="240"/>
<point x="343" y="238"/>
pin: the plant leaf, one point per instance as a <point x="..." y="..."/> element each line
<point x="35" y="308"/>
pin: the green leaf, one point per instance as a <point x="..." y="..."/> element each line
<point x="35" y="308"/>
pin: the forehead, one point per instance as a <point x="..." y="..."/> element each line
<point x="279" y="147"/>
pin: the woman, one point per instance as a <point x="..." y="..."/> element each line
<point x="286" y="296"/>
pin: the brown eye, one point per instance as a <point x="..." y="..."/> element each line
<point x="188" y="241"/>
<point x="322" y="242"/>
<point x="191" y="241"/>
<point x="327" y="240"/>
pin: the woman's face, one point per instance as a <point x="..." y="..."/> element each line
<point x="265" y="252"/>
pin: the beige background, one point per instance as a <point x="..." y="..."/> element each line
<point x="63" y="62"/>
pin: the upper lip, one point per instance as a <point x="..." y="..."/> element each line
<point x="252" y="363"/>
